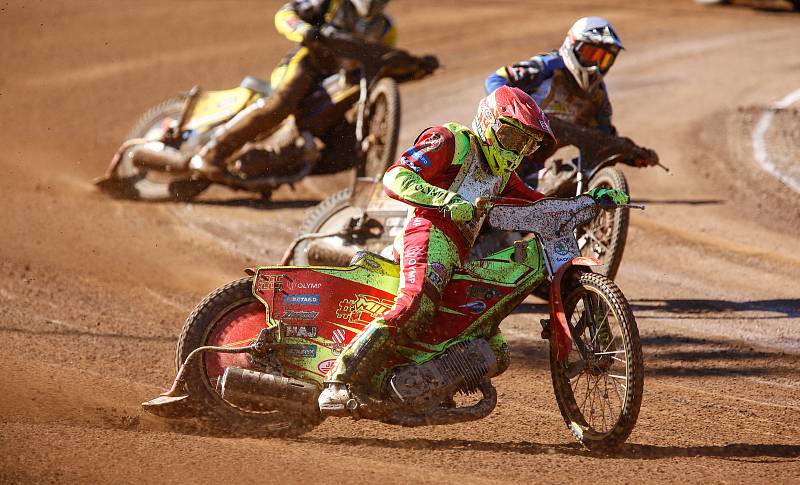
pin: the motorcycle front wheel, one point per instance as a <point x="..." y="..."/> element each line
<point x="230" y="317"/>
<point x="143" y="184"/>
<point x="383" y="128"/>
<point x="604" y="237"/>
<point x="599" y="387"/>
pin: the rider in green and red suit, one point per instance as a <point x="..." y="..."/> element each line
<point x="441" y="176"/>
<point x="301" y="21"/>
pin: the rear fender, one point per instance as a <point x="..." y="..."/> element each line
<point x="214" y="107"/>
<point x="561" y="340"/>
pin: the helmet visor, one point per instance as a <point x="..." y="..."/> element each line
<point x="517" y="140"/>
<point x="592" y="55"/>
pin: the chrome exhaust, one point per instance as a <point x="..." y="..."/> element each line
<point x="267" y="392"/>
<point x="155" y="155"/>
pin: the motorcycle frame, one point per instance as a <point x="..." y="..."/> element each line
<point x="512" y="273"/>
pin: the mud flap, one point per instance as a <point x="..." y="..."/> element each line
<point x="170" y="406"/>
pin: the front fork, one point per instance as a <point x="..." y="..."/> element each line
<point x="560" y="338"/>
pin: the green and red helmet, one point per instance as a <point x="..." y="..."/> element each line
<point x="511" y="126"/>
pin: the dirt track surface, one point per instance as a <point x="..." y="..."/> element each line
<point x="93" y="291"/>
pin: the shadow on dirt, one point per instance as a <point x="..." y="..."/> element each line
<point x="632" y="450"/>
<point x="260" y="204"/>
<point x="691" y="308"/>
<point x="679" y="201"/>
<point x="682" y="356"/>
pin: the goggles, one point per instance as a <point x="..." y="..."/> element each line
<point x="512" y="138"/>
<point x="592" y="55"/>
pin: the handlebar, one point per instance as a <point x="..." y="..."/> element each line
<point x="485" y="204"/>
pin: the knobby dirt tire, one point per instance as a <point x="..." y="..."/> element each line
<point x="139" y="186"/>
<point x="570" y="410"/>
<point x="217" y="416"/>
<point x="617" y="221"/>
<point x="316" y="219"/>
<point x="384" y="125"/>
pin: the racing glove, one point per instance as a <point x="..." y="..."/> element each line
<point x="608" y="198"/>
<point x="645" y="157"/>
<point x="459" y="209"/>
<point x="311" y="35"/>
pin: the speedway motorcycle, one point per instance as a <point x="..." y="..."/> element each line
<point x="253" y="354"/>
<point x="362" y="217"/>
<point x="350" y="120"/>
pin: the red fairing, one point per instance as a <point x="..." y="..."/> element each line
<point x="338" y="309"/>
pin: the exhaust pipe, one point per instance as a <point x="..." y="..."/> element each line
<point x="266" y="392"/>
<point x="155" y="155"/>
<point x="320" y="253"/>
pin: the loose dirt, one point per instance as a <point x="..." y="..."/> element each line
<point x="93" y="291"/>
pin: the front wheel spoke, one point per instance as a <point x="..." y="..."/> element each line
<point x="611" y="353"/>
<point x="618" y="377"/>
<point x="619" y="396"/>
<point x="594" y="393"/>
<point x="586" y="396"/>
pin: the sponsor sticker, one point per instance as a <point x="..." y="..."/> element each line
<point x="410" y="164"/>
<point x="299" y="315"/>
<point x="302" y="285"/>
<point x="417" y="155"/>
<point x="432" y="143"/>
<point x="476" y="307"/>
<point x="483" y="292"/>
<point x="438" y="275"/>
<point x="338" y="336"/>
<point x="561" y="248"/>
<point x="304" y="331"/>
<point x="326" y="365"/>
<point x="269" y="282"/>
<point x="298" y="299"/>
<point x="363" y="309"/>
<point x="301" y="350"/>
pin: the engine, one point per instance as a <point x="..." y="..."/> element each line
<point x="461" y="368"/>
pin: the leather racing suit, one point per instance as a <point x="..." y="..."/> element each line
<point x="571" y="111"/>
<point x="293" y="79"/>
<point x="547" y="80"/>
<point x="445" y="162"/>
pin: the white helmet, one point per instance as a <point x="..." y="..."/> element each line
<point x="589" y="50"/>
<point x="369" y="8"/>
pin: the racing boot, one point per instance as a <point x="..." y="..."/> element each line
<point x="334" y="398"/>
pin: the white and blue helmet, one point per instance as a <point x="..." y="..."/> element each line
<point x="589" y="50"/>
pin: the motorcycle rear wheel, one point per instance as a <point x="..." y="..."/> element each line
<point x="140" y="183"/>
<point x="383" y="128"/>
<point x="599" y="391"/>
<point x="230" y="316"/>
<point x="604" y="237"/>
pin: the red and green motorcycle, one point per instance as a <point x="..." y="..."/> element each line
<point x="253" y="354"/>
